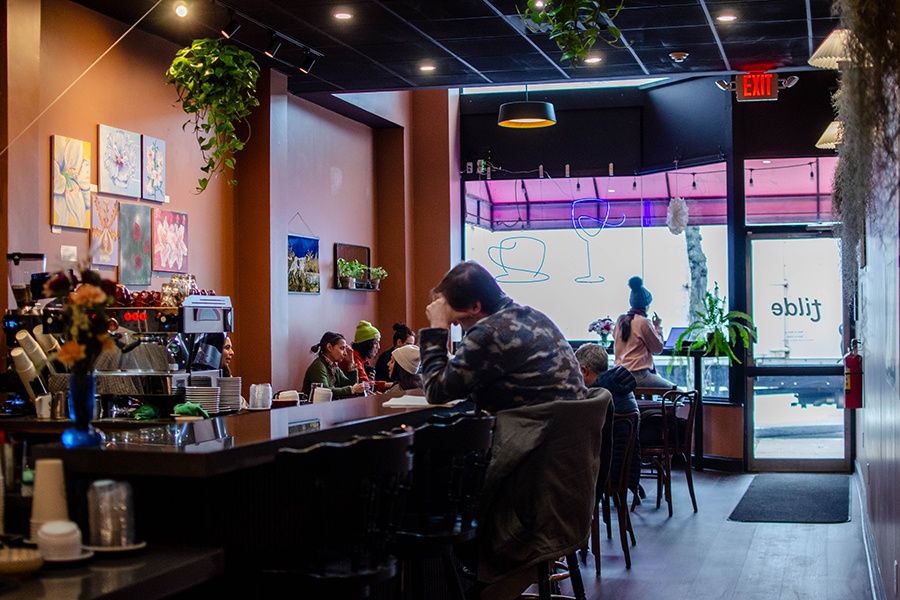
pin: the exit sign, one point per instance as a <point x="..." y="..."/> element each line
<point x="756" y="86"/>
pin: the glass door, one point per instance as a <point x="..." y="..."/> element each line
<point x="796" y="419"/>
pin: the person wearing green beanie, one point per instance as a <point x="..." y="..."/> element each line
<point x="366" y="343"/>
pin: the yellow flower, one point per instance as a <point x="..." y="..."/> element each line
<point x="70" y="353"/>
<point x="87" y="294"/>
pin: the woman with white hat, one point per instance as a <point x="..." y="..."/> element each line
<point x="404" y="371"/>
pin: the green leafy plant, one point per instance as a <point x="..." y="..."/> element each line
<point x="377" y="273"/>
<point x="216" y="84"/>
<point x="351" y="268"/>
<point x="716" y="331"/>
<point x="575" y="25"/>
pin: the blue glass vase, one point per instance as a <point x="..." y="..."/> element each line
<point x="82" y="399"/>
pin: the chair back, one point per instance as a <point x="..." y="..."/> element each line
<point x="670" y="427"/>
<point x="624" y="433"/>
<point x="341" y="504"/>
<point x="450" y="457"/>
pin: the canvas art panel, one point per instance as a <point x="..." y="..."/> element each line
<point x="303" y="265"/>
<point x="170" y="237"/>
<point x="104" y="230"/>
<point x="119" y="162"/>
<point x="70" y="182"/>
<point x="135" y="251"/>
<point x="154" y="169"/>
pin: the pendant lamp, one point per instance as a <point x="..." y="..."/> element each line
<point x="833" y="51"/>
<point x="527" y="114"/>
<point x="831" y="138"/>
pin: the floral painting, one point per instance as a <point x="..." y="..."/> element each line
<point x="71" y="182"/>
<point x="303" y="264"/>
<point x="120" y="162"/>
<point x="134" y="244"/>
<point x="104" y="230"/>
<point x="154" y="172"/>
<point x="170" y="236"/>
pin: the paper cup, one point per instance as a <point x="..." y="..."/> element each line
<point x="48" y="501"/>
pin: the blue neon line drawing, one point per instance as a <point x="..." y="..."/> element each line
<point x="503" y="254"/>
<point x="588" y="227"/>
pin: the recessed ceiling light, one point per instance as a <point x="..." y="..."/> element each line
<point x="342" y="15"/>
<point x="766" y="162"/>
<point x="427" y="68"/>
<point x="726" y="18"/>
<point x="181" y="9"/>
<point x="592" y="60"/>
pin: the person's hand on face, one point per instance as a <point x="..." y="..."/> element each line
<point x="441" y="314"/>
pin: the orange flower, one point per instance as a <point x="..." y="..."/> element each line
<point x="87" y="294"/>
<point x="70" y="353"/>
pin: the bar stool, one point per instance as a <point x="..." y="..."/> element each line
<point x="338" y="514"/>
<point x="451" y="455"/>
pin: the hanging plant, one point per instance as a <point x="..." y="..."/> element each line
<point x="215" y="84"/>
<point x="575" y="25"/>
<point x="865" y="180"/>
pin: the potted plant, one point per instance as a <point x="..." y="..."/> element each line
<point x="716" y="331"/>
<point x="215" y="84"/>
<point x="349" y="271"/>
<point x="376" y="274"/>
<point x="573" y="24"/>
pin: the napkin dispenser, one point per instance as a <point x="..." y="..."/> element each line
<point x="290" y="395"/>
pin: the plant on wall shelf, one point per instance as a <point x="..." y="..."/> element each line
<point x="351" y="268"/>
<point x="377" y="273"/>
<point x="216" y="84"/>
<point x="575" y="25"/>
<point x="715" y="331"/>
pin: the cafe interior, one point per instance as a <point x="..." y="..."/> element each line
<point x="696" y="149"/>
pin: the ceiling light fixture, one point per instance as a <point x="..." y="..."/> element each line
<point x="232" y="28"/>
<point x="678" y="56"/>
<point x="592" y="60"/>
<point x="726" y="18"/>
<point x="342" y="15"/>
<point x="527" y="114"/>
<point x="181" y="9"/>
<point x="274" y="45"/>
<point x="833" y="51"/>
<point x="831" y="137"/>
<point x="427" y="67"/>
<point x="309" y="60"/>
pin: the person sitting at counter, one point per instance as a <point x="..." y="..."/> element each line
<point x="404" y="372"/>
<point x="403" y="336"/>
<point x="366" y="343"/>
<point x="227" y="355"/>
<point x="325" y="370"/>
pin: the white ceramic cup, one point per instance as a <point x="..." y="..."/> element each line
<point x="321" y="394"/>
<point x="59" y="540"/>
<point x="42" y="406"/>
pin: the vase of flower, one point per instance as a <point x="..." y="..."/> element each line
<point x="604" y="328"/>
<point x="82" y="400"/>
<point x="85" y="297"/>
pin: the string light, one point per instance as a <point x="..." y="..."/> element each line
<point x="751" y="176"/>
<point x="812" y="174"/>
<point x="694" y="182"/>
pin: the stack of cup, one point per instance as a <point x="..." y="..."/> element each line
<point x="111" y="514"/>
<point x="48" y="502"/>
<point x="260" y="396"/>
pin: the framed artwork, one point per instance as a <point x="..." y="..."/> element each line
<point x="170" y="237"/>
<point x="153" y="178"/>
<point x="119" y="162"/>
<point x="104" y="230"/>
<point x="303" y="265"/>
<point x="135" y="222"/>
<point x="71" y="182"/>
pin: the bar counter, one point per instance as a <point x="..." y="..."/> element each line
<point x="212" y="483"/>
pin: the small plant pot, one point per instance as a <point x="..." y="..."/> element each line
<point x="347" y="283"/>
<point x="375" y="283"/>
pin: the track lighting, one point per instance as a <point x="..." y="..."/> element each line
<point x="308" y="61"/>
<point x="229" y="30"/>
<point x="274" y="45"/>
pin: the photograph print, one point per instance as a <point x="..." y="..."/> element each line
<point x="303" y="265"/>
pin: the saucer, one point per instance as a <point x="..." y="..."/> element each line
<point x="259" y="408"/>
<point x="85" y="554"/>
<point x="116" y="549"/>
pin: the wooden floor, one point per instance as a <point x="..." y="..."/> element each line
<point x="703" y="555"/>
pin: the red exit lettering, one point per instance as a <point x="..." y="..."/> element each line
<point x="757" y="86"/>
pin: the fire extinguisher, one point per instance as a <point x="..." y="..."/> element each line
<point x="853" y="376"/>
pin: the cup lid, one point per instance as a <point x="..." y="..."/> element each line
<point x="57" y="528"/>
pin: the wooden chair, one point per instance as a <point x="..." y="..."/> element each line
<point x="339" y="510"/>
<point x="451" y="454"/>
<point x="667" y="432"/>
<point x="624" y="432"/>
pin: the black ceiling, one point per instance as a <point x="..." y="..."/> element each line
<point x="483" y="42"/>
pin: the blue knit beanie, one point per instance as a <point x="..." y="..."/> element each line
<point x="640" y="296"/>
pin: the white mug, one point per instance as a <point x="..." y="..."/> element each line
<point x="42" y="405"/>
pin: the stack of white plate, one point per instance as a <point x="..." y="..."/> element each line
<point x="206" y="397"/>
<point x="230" y="395"/>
